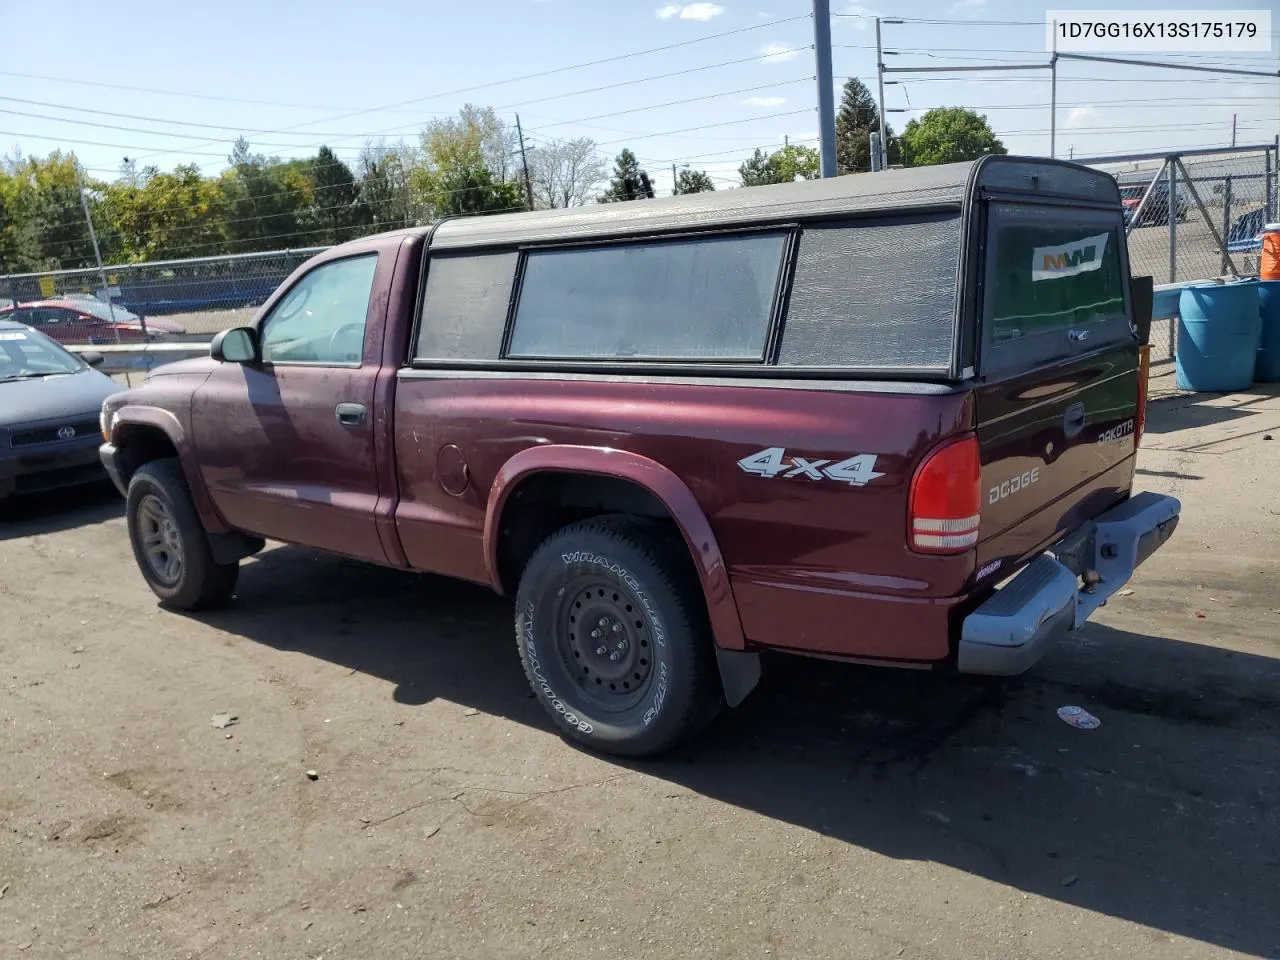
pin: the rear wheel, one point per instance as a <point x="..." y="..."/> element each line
<point x="612" y="633"/>
<point x="169" y="542"/>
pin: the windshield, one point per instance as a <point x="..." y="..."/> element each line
<point x="99" y="309"/>
<point x="26" y="353"/>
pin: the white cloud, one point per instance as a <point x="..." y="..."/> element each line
<point x="778" y="53"/>
<point x="968" y="6"/>
<point x="690" y="11"/>
<point x="1079" y="115"/>
<point x="764" y="101"/>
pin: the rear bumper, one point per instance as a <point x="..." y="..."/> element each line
<point x="1026" y="617"/>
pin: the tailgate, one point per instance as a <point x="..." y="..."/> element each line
<point x="1055" y="449"/>
<point x="1057" y="415"/>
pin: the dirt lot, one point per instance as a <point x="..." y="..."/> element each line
<point x="843" y="812"/>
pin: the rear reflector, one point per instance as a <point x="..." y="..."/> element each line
<point x="946" y="499"/>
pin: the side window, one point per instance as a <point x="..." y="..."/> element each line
<point x="700" y="299"/>
<point x="322" y="318"/>
<point x="874" y="293"/>
<point x="48" y="317"/>
<point x="464" y="310"/>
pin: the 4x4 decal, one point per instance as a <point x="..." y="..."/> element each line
<point x="856" y="471"/>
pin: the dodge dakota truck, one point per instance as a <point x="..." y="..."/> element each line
<point x="887" y="418"/>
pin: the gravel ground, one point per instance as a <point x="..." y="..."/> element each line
<point x="842" y="812"/>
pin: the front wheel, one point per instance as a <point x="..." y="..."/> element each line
<point x="169" y="542"/>
<point x="612" y="632"/>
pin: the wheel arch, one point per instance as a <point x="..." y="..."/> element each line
<point x="658" y="487"/>
<point x="144" y="434"/>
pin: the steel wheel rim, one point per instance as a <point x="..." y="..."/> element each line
<point x="160" y="540"/>
<point x="603" y="640"/>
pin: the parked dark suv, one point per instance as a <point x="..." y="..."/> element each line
<point x="889" y="418"/>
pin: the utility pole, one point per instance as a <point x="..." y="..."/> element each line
<point x="1053" y="93"/>
<point x="826" y="85"/>
<point x="1233" y="129"/>
<point x="675" y="182"/>
<point x="524" y="160"/>
<point x="97" y="256"/>
<point x="883" y="148"/>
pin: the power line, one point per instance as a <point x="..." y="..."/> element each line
<point x="538" y="75"/>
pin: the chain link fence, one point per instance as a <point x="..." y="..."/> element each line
<point x="1194" y="215"/>
<point x="200" y="296"/>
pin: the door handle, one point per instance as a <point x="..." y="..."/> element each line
<point x="1073" y="419"/>
<point x="350" y="414"/>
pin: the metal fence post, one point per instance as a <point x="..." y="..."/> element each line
<point x="1226" y="221"/>
<point x="1270" y="187"/>
<point x="1171" y="212"/>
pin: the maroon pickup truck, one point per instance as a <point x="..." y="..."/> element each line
<point x="889" y="418"/>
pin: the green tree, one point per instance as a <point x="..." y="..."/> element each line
<point x="857" y="118"/>
<point x="462" y="175"/>
<point x="337" y="213"/>
<point x="793" y="163"/>
<point x="390" y="177"/>
<point x="947" y="135"/>
<point x="787" y="165"/>
<point x="630" y="181"/>
<point x="755" y="172"/>
<point x="693" y="181"/>
<point x="266" y="200"/>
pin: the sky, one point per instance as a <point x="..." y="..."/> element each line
<point x="731" y="75"/>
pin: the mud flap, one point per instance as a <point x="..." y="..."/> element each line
<point x="739" y="674"/>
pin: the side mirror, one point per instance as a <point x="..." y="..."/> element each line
<point x="1142" y="292"/>
<point x="237" y="345"/>
<point x="93" y="358"/>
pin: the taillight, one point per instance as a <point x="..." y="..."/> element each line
<point x="946" y="499"/>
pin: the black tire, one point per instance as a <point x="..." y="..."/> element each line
<point x="195" y="581"/>
<point x="626" y="577"/>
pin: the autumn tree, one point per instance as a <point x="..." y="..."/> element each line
<point x="465" y="167"/>
<point x="43" y="226"/>
<point x="149" y="215"/>
<point x="947" y="135"/>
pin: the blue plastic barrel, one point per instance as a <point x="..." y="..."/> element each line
<point x="1268" y="367"/>
<point x="1219" y="330"/>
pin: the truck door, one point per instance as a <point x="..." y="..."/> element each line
<point x="286" y="444"/>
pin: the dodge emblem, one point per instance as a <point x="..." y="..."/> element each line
<point x="66" y="433"/>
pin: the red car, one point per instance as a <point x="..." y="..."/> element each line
<point x="87" y="320"/>
<point x="889" y="418"/>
